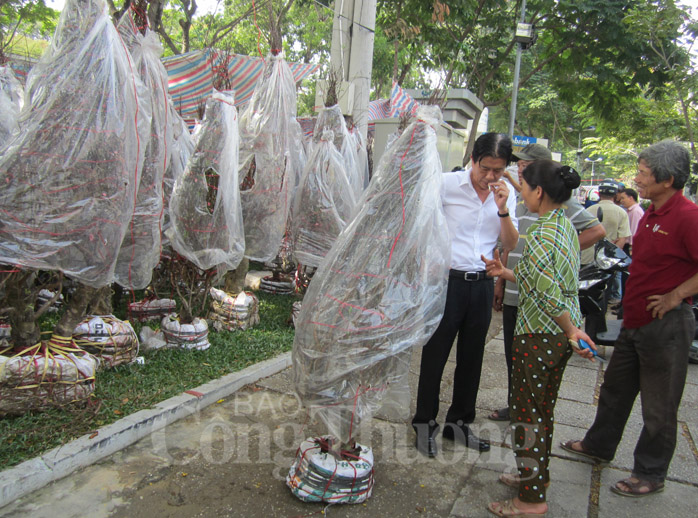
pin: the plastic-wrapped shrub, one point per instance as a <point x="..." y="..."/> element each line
<point x="361" y="157"/>
<point x="205" y="215"/>
<point x="11" y="102"/>
<point x="380" y="290"/>
<point x="332" y="119"/>
<point x="270" y="146"/>
<point x="140" y="250"/>
<point x="323" y="205"/>
<point x="178" y="153"/>
<point x="69" y="178"/>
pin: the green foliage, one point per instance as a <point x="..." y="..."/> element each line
<point x="30" y="19"/>
<point x="167" y="372"/>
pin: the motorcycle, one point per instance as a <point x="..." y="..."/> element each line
<point x="593" y="299"/>
<point x="593" y="295"/>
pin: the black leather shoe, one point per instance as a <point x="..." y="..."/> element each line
<point x="462" y="433"/>
<point x="426" y="438"/>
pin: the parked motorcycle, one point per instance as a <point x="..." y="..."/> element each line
<point x="593" y="300"/>
<point x="593" y="296"/>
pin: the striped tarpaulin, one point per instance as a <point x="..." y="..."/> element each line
<point x="379" y="109"/>
<point x="401" y="102"/>
<point x="190" y="77"/>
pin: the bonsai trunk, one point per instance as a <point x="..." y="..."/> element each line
<point x="75" y="311"/>
<point x="20" y="299"/>
<point x="235" y="279"/>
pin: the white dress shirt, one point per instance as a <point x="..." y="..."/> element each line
<point x="473" y="226"/>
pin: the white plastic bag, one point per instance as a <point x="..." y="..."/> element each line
<point x="206" y="219"/>
<point x="69" y="178"/>
<point x="381" y="289"/>
<point x="270" y="159"/>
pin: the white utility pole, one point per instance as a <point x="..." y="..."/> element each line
<point x="517" y="68"/>
<point x="352" y="52"/>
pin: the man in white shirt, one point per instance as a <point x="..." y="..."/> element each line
<point x="480" y="209"/>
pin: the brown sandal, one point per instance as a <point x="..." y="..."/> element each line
<point x="637" y="488"/>
<point x="567" y="446"/>
<point x="507" y="508"/>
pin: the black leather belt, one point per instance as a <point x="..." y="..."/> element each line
<point x="468" y="276"/>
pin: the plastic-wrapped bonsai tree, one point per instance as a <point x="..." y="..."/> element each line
<point x="69" y="175"/>
<point x="205" y="214"/>
<point x="140" y="249"/>
<point x="323" y="204"/>
<point x="380" y="290"/>
<point x="270" y="163"/>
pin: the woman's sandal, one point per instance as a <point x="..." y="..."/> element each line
<point x="637" y="488"/>
<point x="511" y="480"/>
<point x="507" y="508"/>
<point x="567" y="446"/>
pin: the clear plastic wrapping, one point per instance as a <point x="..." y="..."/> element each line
<point x="332" y="119"/>
<point x="381" y="289"/>
<point x="270" y="159"/>
<point x="11" y="102"/>
<point x="69" y="176"/>
<point x="140" y="250"/>
<point x="178" y="153"/>
<point x="205" y="215"/>
<point x="323" y="204"/>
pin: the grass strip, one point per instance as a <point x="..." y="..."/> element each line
<point x="127" y="389"/>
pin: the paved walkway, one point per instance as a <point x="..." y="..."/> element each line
<point x="229" y="458"/>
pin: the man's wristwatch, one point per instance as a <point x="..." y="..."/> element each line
<point x="505" y="215"/>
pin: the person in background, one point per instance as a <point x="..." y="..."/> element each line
<point x="615" y="221"/>
<point x="628" y="200"/>
<point x="506" y="294"/>
<point x="547" y="330"/>
<point x="650" y="356"/>
<point x="479" y="209"/>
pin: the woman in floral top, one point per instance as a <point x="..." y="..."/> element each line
<point x="547" y="326"/>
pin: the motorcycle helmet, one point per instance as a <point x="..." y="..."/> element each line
<point x="593" y="195"/>
<point x="608" y="187"/>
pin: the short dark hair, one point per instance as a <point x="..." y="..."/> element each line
<point x="667" y="159"/>
<point x="494" y="145"/>
<point x="631" y="192"/>
<point x="556" y="180"/>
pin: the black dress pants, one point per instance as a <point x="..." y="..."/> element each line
<point x="651" y="360"/>
<point x="467" y="314"/>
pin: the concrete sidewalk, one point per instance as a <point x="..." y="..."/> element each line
<point x="230" y="458"/>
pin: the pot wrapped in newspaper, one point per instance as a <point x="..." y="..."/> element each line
<point x="381" y="289"/>
<point x="185" y="336"/>
<point x="45" y="375"/>
<point x="69" y="177"/>
<point x="270" y="159"/>
<point x="205" y="214"/>
<point x="153" y="309"/>
<point x="107" y="338"/>
<point x="232" y="313"/>
<point x="320" y="475"/>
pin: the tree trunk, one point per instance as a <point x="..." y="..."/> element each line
<point x="101" y="304"/>
<point x="75" y="310"/>
<point x="472" y="137"/>
<point x="235" y="279"/>
<point x="20" y="298"/>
